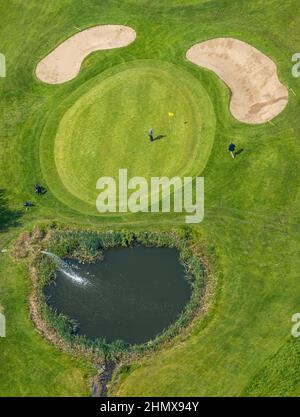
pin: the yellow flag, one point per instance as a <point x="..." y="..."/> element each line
<point x="171" y="114"/>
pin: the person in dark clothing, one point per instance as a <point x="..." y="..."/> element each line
<point x="231" y="149"/>
<point x="38" y="189"/>
<point x="151" y="135"/>
<point x="27" y="204"/>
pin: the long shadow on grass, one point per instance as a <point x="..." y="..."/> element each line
<point x="159" y="137"/>
<point x="8" y="218"/>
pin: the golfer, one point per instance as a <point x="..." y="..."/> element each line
<point x="38" y="189"/>
<point x="231" y="149"/>
<point x="151" y="134"/>
<point x="27" y="204"/>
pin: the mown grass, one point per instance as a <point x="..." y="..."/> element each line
<point x="89" y="141"/>
<point x="243" y="346"/>
<point x="30" y="365"/>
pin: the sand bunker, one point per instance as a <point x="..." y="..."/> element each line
<point x="63" y="64"/>
<point x="257" y="93"/>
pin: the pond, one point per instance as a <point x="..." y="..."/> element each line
<point x="133" y="294"/>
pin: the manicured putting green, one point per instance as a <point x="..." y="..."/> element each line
<point x="106" y="128"/>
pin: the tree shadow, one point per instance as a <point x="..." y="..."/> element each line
<point x="8" y="218"/>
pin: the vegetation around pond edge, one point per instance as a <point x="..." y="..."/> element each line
<point x="88" y="246"/>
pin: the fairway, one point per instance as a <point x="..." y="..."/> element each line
<point x="87" y="116"/>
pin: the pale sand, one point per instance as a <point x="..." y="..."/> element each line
<point x="257" y="94"/>
<point x="63" y="64"/>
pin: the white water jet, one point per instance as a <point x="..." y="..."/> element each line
<point x="66" y="269"/>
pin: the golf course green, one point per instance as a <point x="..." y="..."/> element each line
<point x="106" y="128"/>
<point x="66" y="136"/>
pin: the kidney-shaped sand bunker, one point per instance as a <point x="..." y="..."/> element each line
<point x="257" y="94"/>
<point x="63" y="64"/>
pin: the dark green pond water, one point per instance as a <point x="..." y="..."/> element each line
<point x="132" y="295"/>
